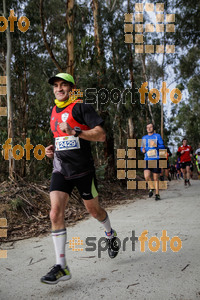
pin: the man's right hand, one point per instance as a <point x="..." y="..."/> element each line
<point x="182" y="151"/>
<point x="143" y="150"/>
<point x="49" y="151"/>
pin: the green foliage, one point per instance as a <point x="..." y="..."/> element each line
<point x="31" y="67"/>
<point x="16" y="204"/>
<point x="100" y="172"/>
<point x="187" y="23"/>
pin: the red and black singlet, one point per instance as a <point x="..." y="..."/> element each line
<point x="185" y="157"/>
<point x="64" y="116"/>
<point x="77" y="162"/>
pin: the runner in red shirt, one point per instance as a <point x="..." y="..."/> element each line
<point x="185" y="152"/>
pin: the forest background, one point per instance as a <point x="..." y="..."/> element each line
<point x="87" y="40"/>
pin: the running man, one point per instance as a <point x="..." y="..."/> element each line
<point x="185" y="153"/>
<point x="73" y="125"/>
<point x="191" y="169"/>
<point x="178" y="169"/>
<point x="172" y="171"/>
<point x="151" y="144"/>
<point x="197" y="159"/>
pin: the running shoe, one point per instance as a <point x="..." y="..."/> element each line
<point x="189" y="182"/>
<point x="157" y="197"/>
<point x="150" y="193"/>
<point x="169" y="178"/>
<point x="161" y="178"/>
<point x="56" y="274"/>
<point x="185" y="182"/>
<point x="113" y="245"/>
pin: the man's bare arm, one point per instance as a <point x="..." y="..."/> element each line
<point x="96" y="134"/>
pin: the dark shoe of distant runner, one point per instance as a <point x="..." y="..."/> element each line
<point x="189" y="182"/>
<point x="113" y="246"/>
<point x="185" y="183"/>
<point x="157" y="197"/>
<point x="161" y="178"/>
<point x="169" y="178"/>
<point x="150" y="193"/>
<point x="56" y="274"/>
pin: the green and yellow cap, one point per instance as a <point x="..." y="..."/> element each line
<point x="65" y="76"/>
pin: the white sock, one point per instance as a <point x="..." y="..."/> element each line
<point x="107" y="226"/>
<point x="59" y="240"/>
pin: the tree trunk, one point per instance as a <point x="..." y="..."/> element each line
<point x="130" y="128"/>
<point x="24" y="114"/>
<point x="163" y="78"/>
<point x="96" y="27"/>
<point x="130" y="50"/>
<point x="109" y="143"/>
<point x="70" y="37"/>
<point x="97" y="40"/>
<point x="9" y="102"/>
<point x="101" y="70"/>
<point x="109" y="149"/>
<point x="44" y="36"/>
<point x="147" y="103"/>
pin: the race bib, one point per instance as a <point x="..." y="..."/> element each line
<point x="67" y="143"/>
<point x="152" y="153"/>
<point x="163" y="153"/>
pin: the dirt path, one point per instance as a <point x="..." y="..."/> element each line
<point x="132" y="274"/>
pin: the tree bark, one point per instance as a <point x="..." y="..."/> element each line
<point x="130" y="128"/>
<point x="96" y="27"/>
<point x="101" y="71"/>
<point x="109" y="148"/>
<point x="147" y="103"/>
<point x="9" y="102"/>
<point x="163" y="78"/>
<point x="109" y="143"/>
<point x="97" y="40"/>
<point x="70" y="37"/>
<point x="44" y="36"/>
<point x="24" y="113"/>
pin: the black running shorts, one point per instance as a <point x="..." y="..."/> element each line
<point x="86" y="185"/>
<point x="153" y="170"/>
<point x="185" y="164"/>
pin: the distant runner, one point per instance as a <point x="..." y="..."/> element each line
<point x="185" y="153"/>
<point x="151" y="144"/>
<point x="197" y="159"/>
<point x="172" y="171"/>
<point x="191" y="169"/>
<point x="178" y="169"/>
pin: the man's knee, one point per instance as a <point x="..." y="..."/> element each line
<point x="147" y="176"/>
<point x="56" y="215"/>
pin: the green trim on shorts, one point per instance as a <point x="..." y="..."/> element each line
<point x="93" y="189"/>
